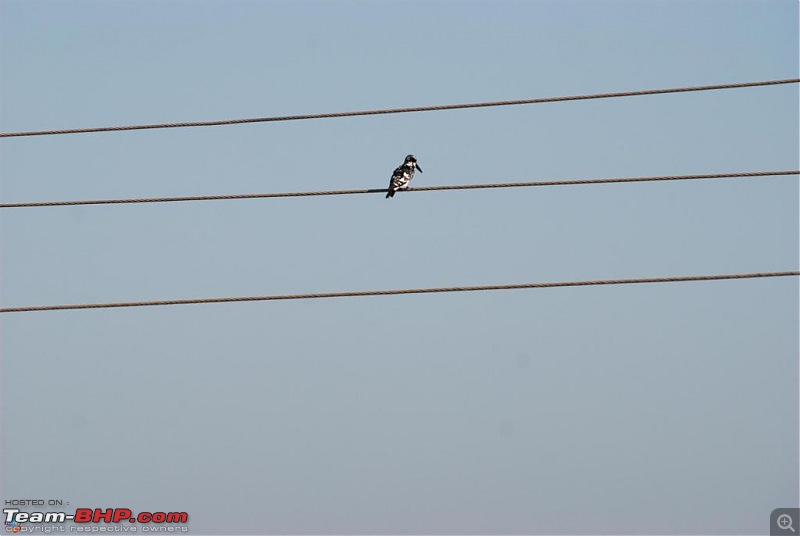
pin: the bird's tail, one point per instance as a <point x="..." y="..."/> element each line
<point x="390" y="193"/>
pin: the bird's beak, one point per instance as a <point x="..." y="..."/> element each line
<point x="419" y="168"/>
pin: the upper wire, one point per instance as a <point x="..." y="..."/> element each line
<point x="399" y="110"/>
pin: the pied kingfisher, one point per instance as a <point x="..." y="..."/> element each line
<point x="403" y="175"/>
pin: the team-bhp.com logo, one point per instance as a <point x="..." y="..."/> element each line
<point x="15" y="519"/>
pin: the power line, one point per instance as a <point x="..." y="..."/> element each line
<point x="399" y="110"/>
<point x="399" y="291"/>
<point x="419" y="189"/>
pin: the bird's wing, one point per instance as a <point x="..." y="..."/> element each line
<point x="397" y="175"/>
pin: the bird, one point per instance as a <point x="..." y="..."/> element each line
<point x="403" y="175"/>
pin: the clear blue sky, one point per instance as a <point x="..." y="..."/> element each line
<point x="653" y="409"/>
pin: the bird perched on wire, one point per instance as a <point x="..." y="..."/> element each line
<point x="403" y="175"/>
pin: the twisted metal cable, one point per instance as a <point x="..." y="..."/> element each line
<point x="400" y="110"/>
<point x="734" y="175"/>
<point x="400" y="291"/>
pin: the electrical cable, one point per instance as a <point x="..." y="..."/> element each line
<point x="228" y="197"/>
<point x="395" y="292"/>
<point x="399" y="110"/>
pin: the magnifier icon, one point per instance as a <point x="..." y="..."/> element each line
<point x="784" y="521"/>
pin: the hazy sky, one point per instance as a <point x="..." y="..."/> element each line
<point x="648" y="409"/>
